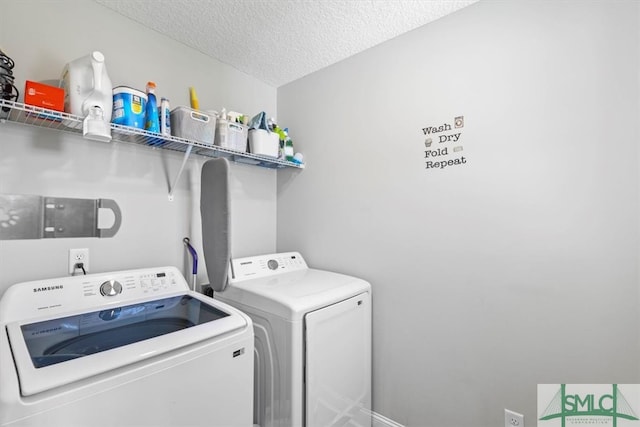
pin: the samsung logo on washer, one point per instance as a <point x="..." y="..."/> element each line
<point x="48" y="288"/>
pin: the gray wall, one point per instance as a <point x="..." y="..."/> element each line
<point x="42" y="36"/>
<point x="516" y="268"/>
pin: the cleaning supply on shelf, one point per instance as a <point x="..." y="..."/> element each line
<point x="88" y="94"/>
<point x="152" y="120"/>
<point x="280" y="133"/>
<point x="298" y="159"/>
<point x="165" y="117"/>
<point x="234" y="116"/>
<point x="281" y="137"/>
<point x="222" y="134"/>
<point x="230" y="132"/>
<point x="195" y="104"/>
<point x="129" y="107"/>
<point x="288" y="146"/>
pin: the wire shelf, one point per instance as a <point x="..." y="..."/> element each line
<point x="41" y="117"/>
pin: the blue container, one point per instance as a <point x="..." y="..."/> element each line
<point x="129" y="107"/>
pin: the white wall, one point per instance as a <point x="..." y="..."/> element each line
<point x="41" y="37"/>
<point x="516" y="268"/>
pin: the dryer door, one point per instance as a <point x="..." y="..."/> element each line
<point x="338" y="364"/>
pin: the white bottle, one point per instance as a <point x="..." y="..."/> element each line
<point x="165" y="117"/>
<point x="222" y="130"/>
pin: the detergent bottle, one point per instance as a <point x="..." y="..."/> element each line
<point x="152" y="120"/>
<point x="88" y="94"/>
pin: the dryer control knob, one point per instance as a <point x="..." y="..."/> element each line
<point x="110" y="288"/>
<point x="272" y="264"/>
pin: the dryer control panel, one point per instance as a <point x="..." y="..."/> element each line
<point x="265" y="266"/>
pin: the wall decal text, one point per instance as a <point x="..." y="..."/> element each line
<point x="439" y="156"/>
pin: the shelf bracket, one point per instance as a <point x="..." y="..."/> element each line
<point x="172" y="187"/>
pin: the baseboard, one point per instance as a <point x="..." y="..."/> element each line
<point x="378" y="420"/>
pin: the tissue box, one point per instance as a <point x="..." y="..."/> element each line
<point x="194" y="125"/>
<point x="264" y="143"/>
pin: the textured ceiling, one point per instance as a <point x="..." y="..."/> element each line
<point x="278" y="41"/>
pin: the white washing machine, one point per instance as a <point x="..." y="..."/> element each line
<point x="131" y="348"/>
<point x="312" y="341"/>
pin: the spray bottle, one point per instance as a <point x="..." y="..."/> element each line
<point x="152" y="120"/>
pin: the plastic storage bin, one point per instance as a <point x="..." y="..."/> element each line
<point x="232" y="135"/>
<point x="264" y="143"/>
<point x="193" y="125"/>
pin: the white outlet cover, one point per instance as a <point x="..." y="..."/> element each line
<point x="76" y="256"/>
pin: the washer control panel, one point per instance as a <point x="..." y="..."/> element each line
<point x="93" y="290"/>
<point x="134" y="283"/>
<point x="265" y="266"/>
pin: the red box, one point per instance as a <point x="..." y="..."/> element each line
<point x="44" y="96"/>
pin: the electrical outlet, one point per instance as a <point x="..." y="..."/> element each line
<point x="77" y="256"/>
<point x="513" y="419"/>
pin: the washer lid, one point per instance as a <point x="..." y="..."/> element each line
<point x="292" y="294"/>
<point x="52" y="352"/>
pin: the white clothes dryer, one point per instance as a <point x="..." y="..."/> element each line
<point x="130" y="348"/>
<point x="312" y="341"/>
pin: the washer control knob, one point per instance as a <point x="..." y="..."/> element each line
<point x="272" y="264"/>
<point x="111" y="288"/>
